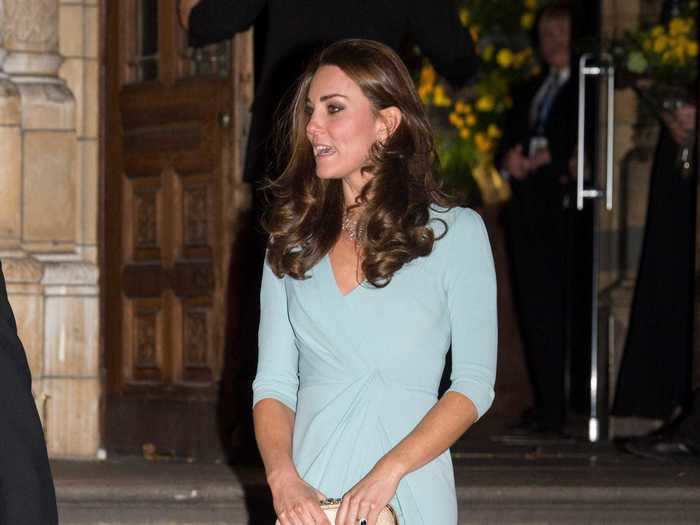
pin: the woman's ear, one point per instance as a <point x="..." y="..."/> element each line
<point x="389" y="120"/>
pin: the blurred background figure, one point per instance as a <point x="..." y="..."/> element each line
<point x="538" y="144"/>
<point x="287" y="36"/>
<point x="655" y="378"/>
<point x="26" y="486"/>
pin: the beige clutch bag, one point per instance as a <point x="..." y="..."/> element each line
<point x="330" y="507"/>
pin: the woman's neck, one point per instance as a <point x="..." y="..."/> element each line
<point x="352" y="188"/>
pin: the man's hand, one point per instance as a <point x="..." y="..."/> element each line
<point x="184" y="8"/>
<point x="542" y="157"/>
<point x="681" y="123"/>
<point x="517" y="164"/>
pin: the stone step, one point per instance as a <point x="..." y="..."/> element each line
<point x="517" y="488"/>
<point x="510" y="507"/>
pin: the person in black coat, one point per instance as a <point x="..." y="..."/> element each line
<point x="535" y="154"/>
<point x="655" y="372"/>
<point x="655" y="377"/>
<point x="26" y="487"/>
<point x="287" y="34"/>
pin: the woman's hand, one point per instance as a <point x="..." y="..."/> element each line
<point x="295" y="501"/>
<point x="371" y="494"/>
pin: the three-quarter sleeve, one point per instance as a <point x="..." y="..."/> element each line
<point x="442" y="38"/>
<point x="216" y="20"/>
<point x="278" y="359"/>
<point x="470" y="280"/>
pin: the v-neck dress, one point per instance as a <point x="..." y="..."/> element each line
<point x="361" y="370"/>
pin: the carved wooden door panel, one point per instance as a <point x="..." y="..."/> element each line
<point x="167" y="230"/>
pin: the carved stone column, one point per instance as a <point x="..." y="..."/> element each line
<point x="3" y="52"/>
<point x="10" y="153"/>
<point x="52" y="289"/>
<point x="48" y="123"/>
<point x="31" y="37"/>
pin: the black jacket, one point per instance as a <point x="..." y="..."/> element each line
<point x="560" y="129"/>
<point x="26" y="487"/>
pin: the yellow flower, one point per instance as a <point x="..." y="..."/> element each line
<point x="483" y="144"/>
<point x="485" y="103"/>
<point x="505" y="58"/>
<point x="647" y="44"/>
<point x="692" y="49"/>
<point x="678" y="26"/>
<point x="427" y="75"/>
<point x="679" y="54"/>
<point x="660" y="44"/>
<point x="460" y="107"/>
<point x="424" y="93"/>
<point x="531" y="4"/>
<point x="474" y="31"/>
<point x="657" y="31"/>
<point x="440" y="98"/>
<point x="518" y="60"/>
<point x="464" y="133"/>
<point x="471" y="120"/>
<point x="527" y="20"/>
<point x="494" y="132"/>
<point x="456" y="120"/>
<point x="464" y="16"/>
<point x="487" y="54"/>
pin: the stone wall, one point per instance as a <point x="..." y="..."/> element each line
<point x="49" y="122"/>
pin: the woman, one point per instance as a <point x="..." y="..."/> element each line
<point x="368" y="279"/>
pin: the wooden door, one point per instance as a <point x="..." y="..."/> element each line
<point x="172" y="143"/>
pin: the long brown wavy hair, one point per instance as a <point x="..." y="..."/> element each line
<point x="305" y="212"/>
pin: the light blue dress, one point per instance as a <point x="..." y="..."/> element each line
<point x="361" y="370"/>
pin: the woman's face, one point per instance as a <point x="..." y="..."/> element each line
<point x="342" y="125"/>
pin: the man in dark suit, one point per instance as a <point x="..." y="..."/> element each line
<point x="287" y="34"/>
<point x="26" y="486"/>
<point x="539" y="142"/>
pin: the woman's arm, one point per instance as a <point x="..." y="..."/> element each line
<point x="470" y="281"/>
<point x="295" y="501"/>
<point x="437" y="431"/>
<point x="274" y="423"/>
<point x="274" y="402"/>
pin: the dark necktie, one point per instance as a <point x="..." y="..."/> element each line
<point x="546" y="102"/>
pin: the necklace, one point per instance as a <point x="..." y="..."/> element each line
<point x="351" y="229"/>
